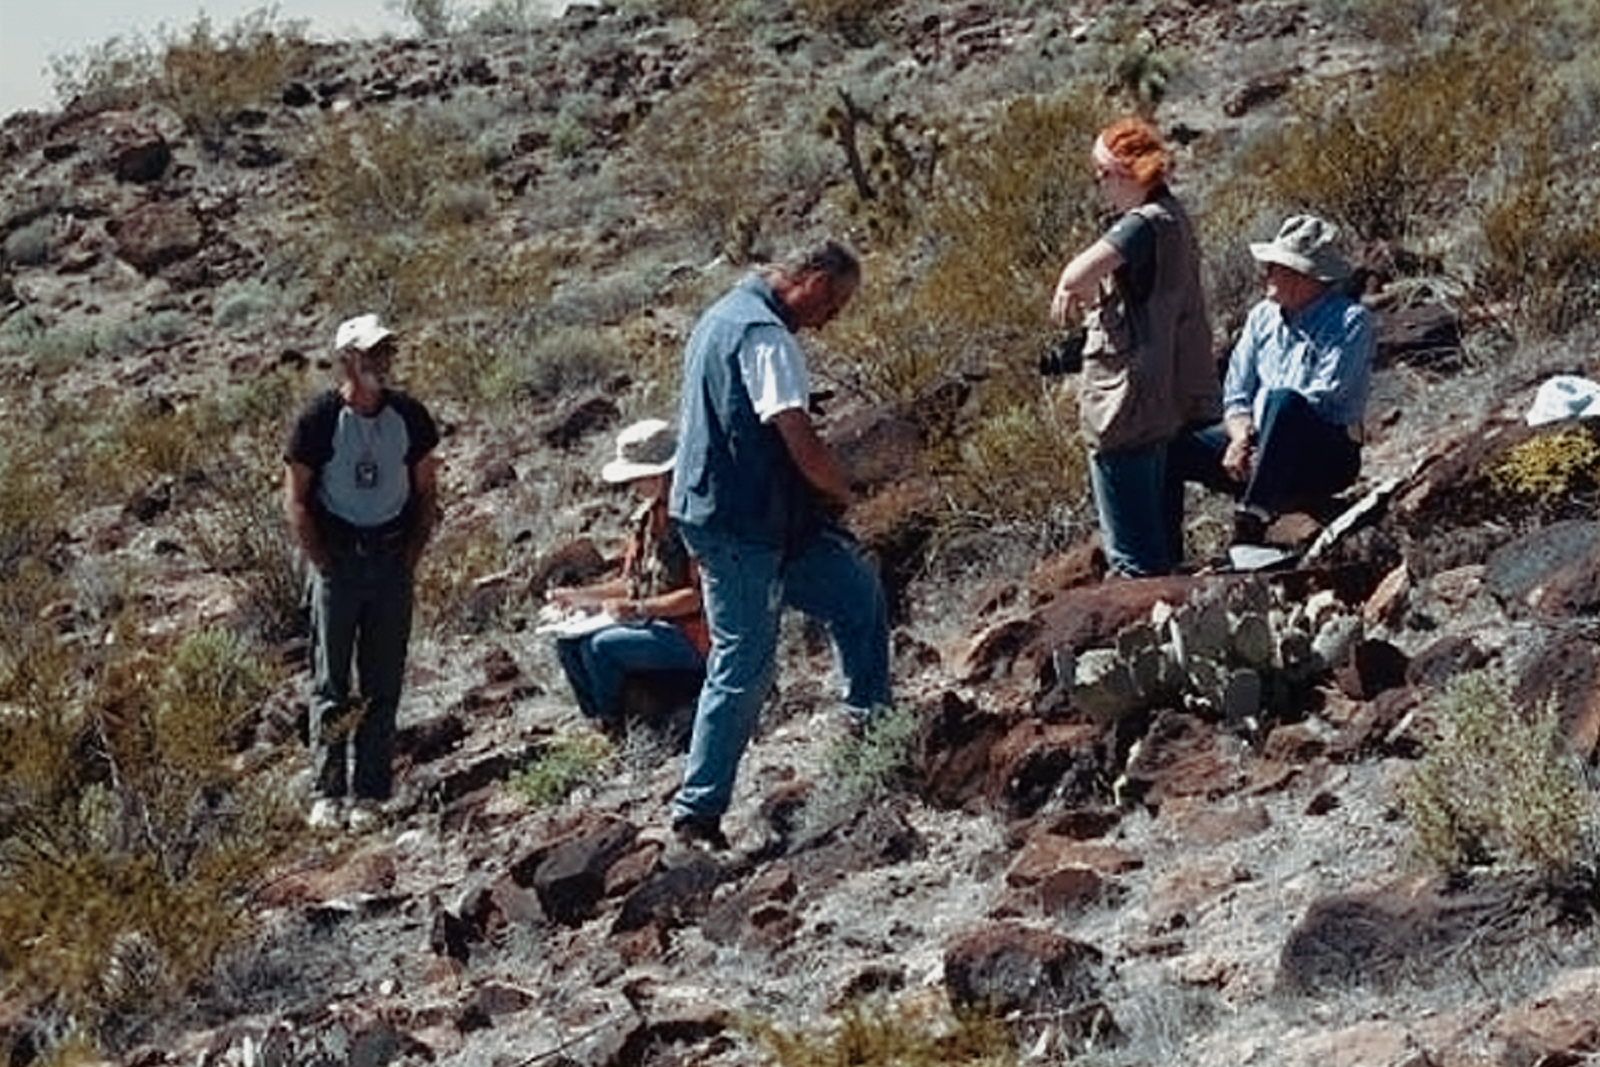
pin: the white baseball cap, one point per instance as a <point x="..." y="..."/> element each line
<point x="360" y="333"/>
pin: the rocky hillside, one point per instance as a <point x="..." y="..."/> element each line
<point x="1339" y="814"/>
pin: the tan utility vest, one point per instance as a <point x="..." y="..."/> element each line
<point x="1148" y="367"/>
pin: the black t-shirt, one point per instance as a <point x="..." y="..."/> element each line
<point x="1135" y="239"/>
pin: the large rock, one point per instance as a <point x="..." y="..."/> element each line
<point x="1554" y="571"/>
<point x="158" y="235"/>
<point x="1558" y="1025"/>
<point x="1007" y="967"/>
<point x="1566" y="672"/>
<point x="1180" y="756"/>
<point x="1410" y="931"/>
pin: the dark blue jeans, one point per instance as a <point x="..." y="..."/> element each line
<point x="597" y="664"/>
<point x="1299" y="459"/>
<point x="361" y="613"/>
<point x="1129" y="494"/>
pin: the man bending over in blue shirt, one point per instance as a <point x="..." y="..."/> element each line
<point x="1295" y="392"/>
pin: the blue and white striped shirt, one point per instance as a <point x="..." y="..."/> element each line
<point x="1324" y="351"/>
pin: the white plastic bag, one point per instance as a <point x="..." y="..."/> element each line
<point x="1565" y="396"/>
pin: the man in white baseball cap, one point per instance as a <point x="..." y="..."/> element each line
<point x="360" y="490"/>
<point x="1295" y="393"/>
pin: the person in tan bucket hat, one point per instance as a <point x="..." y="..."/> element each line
<point x="1295" y="392"/>
<point x="654" y="621"/>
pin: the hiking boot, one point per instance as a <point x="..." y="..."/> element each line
<point x="1249" y="528"/>
<point x="697" y="829"/>
<point x="364" y="816"/>
<point x="326" y="814"/>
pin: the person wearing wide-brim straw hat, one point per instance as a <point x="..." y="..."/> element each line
<point x="658" y="626"/>
<point x="1296" y="388"/>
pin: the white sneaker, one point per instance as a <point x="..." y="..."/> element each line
<point x="364" y="815"/>
<point x="326" y="814"/>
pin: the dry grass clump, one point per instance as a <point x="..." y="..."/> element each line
<point x="863" y="1036"/>
<point x="1498" y="786"/>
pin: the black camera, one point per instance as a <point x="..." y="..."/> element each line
<point x="1065" y="354"/>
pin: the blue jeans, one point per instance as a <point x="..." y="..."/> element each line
<point x="597" y="664"/>
<point x="1130" y="494"/>
<point x="361" y="614"/>
<point x="1299" y="458"/>
<point x="745" y="586"/>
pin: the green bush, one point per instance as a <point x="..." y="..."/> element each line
<point x="1499" y="785"/>
<point x="30" y="245"/>
<point x="862" y="769"/>
<point x="570" y="762"/>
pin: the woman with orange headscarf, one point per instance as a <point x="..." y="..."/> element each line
<point x="1148" y="367"/>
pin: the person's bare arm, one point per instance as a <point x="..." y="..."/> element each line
<point x="816" y="461"/>
<point x="425" y="512"/>
<point x="595" y="595"/>
<point x="1080" y="281"/>
<point x="298" y="479"/>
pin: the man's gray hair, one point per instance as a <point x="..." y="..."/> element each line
<point x="830" y="258"/>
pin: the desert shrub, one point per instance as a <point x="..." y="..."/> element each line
<point x="1378" y="160"/>
<point x="570" y="762"/>
<point x="30" y="245"/>
<point x="1395" y="22"/>
<point x="1014" y="202"/>
<point x="508" y="16"/>
<point x="373" y="173"/>
<point x="206" y="76"/>
<point x="156" y="439"/>
<point x="864" y="768"/>
<point x="140" y="332"/>
<point x="31" y="506"/>
<point x="126" y="844"/>
<point x="1498" y="785"/>
<point x="1024" y="461"/>
<point x="1549" y="464"/>
<point x="237" y="528"/>
<point x="115" y="73"/>
<point x="1542" y="246"/>
<point x="866" y="1035"/>
<point x="433" y="17"/>
<point x="243" y="303"/>
<point x="447" y="599"/>
<point x="565" y="360"/>
<point x="861" y="23"/>
<point x="713" y="161"/>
